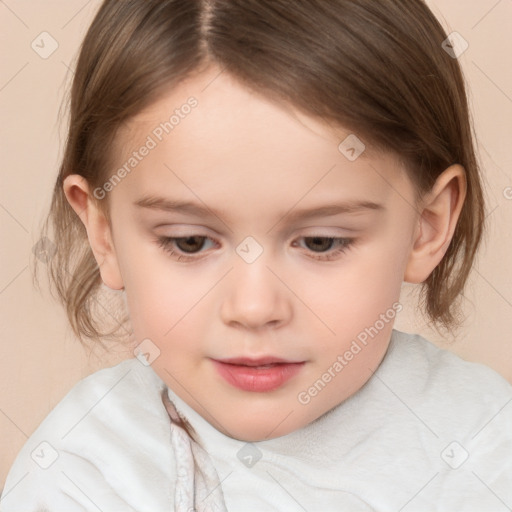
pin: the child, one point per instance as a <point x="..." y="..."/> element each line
<point x="320" y="154"/>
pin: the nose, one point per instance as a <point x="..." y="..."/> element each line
<point x="254" y="297"/>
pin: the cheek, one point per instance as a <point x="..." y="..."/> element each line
<point x="357" y="294"/>
<point x="161" y="297"/>
<point x="164" y="306"/>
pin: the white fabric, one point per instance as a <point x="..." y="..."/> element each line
<point x="399" y="443"/>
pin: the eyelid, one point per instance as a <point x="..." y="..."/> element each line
<point x="182" y="230"/>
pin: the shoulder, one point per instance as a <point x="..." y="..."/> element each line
<point x="466" y="400"/>
<point x="435" y="370"/>
<point x="450" y="421"/>
<point x="107" y="437"/>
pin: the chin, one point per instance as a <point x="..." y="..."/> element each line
<point x="260" y="426"/>
<point x="254" y="433"/>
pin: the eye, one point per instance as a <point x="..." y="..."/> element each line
<point x="187" y="246"/>
<point x="330" y="246"/>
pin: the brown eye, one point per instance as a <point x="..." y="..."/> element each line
<point x="190" y="244"/>
<point x="327" y="248"/>
<point x="184" y="248"/>
<point x="319" y="243"/>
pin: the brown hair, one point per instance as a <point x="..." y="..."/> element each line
<point x="377" y="68"/>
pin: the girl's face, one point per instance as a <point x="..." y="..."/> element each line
<point x="253" y="315"/>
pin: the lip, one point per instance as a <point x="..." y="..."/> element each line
<point x="261" y="374"/>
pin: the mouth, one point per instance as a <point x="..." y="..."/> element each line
<point x="257" y="375"/>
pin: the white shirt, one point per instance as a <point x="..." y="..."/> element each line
<point x="428" y="432"/>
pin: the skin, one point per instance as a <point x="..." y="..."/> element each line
<point x="256" y="162"/>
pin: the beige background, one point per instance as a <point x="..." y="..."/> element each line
<point x="41" y="360"/>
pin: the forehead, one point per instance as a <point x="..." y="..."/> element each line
<point x="212" y="136"/>
<point x="222" y="105"/>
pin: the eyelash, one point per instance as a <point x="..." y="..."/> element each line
<point x="167" y="244"/>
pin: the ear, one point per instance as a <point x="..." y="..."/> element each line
<point x="439" y="211"/>
<point x="99" y="233"/>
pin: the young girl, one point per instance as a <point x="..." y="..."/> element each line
<point x="318" y="154"/>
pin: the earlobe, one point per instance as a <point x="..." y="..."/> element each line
<point x="77" y="192"/>
<point x="439" y="212"/>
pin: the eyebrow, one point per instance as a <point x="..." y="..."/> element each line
<point x="188" y="207"/>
